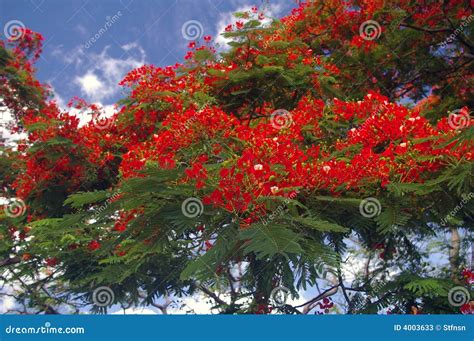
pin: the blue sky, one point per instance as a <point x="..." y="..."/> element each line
<point x="139" y="32"/>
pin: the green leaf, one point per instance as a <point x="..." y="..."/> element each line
<point x="241" y="15"/>
<point x="205" y="266"/>
<point x="240" y="92"/>
<point x="320" y="225"/>
<point x="272" y="69"/>
<point x="342" y="201"/>
<point x="202" y="55"/>
<point x="80" y="199"/>
<point x="269" y="240"/>
<point x="252" y="24"/>
<point x="390" y="218"/>
<point x="261" y="60"/>
<point x="424" y="286"/>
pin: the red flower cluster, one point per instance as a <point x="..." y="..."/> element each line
<point x="468" y="308"/>
<point x="382" y="146"/>
<point x="173" y="118"/>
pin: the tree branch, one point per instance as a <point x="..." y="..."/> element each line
<point x="212" y="295"/>
<point x="10" y="261"/>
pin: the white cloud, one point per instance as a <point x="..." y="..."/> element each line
<point x="6" y="120"/>
<point x="199" y="304"/>
<point x="75" y="56"/>
<point x="85" y="116"/>
<point x="135" y="311"/>
<point x="81" y="30"/>
<point x="100" y="82"/>
<point x="6" y="303"/>
<point x="90" y="84"/>
<point x="131" y="46"/>
<point x="227" y="18"/>
<point x="59" y="100"/>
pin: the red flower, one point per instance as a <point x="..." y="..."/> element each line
<point x="73" y="246"/>
<point x="94" y="245"/>
<point x="468" y="276"/>
<point x="468" y="308"/>
<point x="293" y="56"/>
<point x="263" y="309"/>
<point x="52" y="261"/>
<point x="120" y="226"/>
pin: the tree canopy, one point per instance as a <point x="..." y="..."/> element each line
<point x="328" y="149"/>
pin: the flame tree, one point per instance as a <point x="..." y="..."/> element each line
<point x="330" y="149"/>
